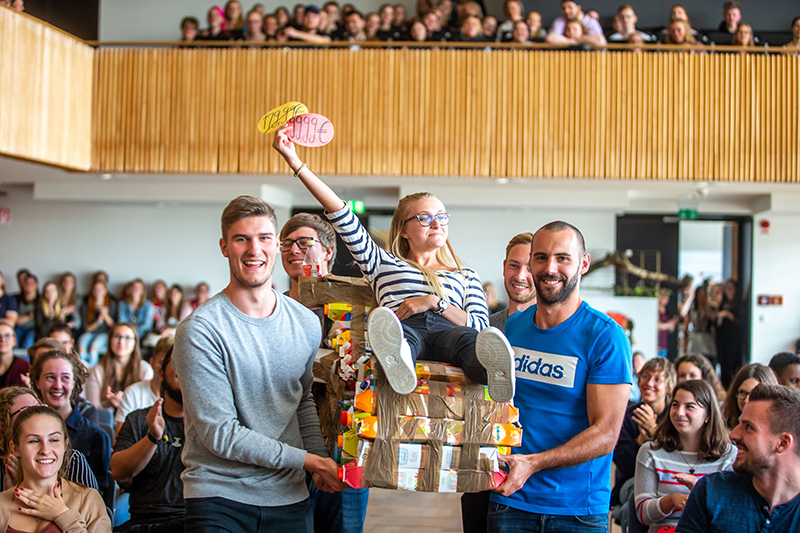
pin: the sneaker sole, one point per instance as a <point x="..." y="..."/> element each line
<point x="495" y="354"/>
<point x="386" y="338"/>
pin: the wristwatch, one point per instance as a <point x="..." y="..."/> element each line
<point x="442" y="306"/>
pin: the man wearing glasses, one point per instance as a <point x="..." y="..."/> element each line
<point x="300" y="232"/>
<point x="336" y="512"/>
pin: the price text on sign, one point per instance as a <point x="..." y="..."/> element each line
<point x="280" y="116"/>
<point x="310" y="129"/>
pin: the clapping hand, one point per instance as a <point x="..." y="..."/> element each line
<point x="155" y="420"/>
<point x="646" y="418"/>
<point x="114" y="398"/>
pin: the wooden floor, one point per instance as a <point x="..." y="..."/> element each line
<point x="395" y="511"/>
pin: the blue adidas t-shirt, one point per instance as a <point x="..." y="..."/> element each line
<point x="553" y="367"/>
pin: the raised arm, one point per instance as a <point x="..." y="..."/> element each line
<point x="606" y="408"/>
<point x="328" y="199"/>
<point x="132" y="453"/>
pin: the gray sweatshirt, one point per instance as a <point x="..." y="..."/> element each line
<point x="250" y="417"/>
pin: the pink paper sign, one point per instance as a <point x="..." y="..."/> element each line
<point x="310" y="129"/>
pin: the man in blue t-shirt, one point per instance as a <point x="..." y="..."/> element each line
<point x="763" y="492"/>
<point x="573" y="381"/>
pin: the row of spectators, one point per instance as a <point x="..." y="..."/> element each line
<point x="34" y="310"/>
<point x="464" y="21"/>
<point x="19" y="5"/>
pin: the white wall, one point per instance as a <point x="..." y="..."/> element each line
<point x="777" y="254"/>
<point x="480" y="235"/>
<point x="157" y="20"/>
<point x="176" y="243"/>
<point x="179" y="244"/>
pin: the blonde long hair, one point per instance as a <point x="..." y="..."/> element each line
<point x="399" y="247"/>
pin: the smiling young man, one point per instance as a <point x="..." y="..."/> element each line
<point x="517" y="279"/>
<point x="763" y="492"/>
<point x="300" y="232"/>
<point x="344" y="511"/>
<point x="573" y="378"/>
<point x="244" y="360"/>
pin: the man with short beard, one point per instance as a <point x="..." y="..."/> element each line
<point x="573" y="381"/>
<point x="518" y="282"/>
<point x="245" y="363"/>
<point x="763" y="492"/>
<point x="147" y="459"/>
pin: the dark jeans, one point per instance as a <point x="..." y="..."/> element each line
<point x="505" y="519"/>
<point x="474" y="510"/>
<point x="207" y="515"/>
<point x="338" y="512"/>
<point x="434" y="338"/>
<point x="174" y="525"/>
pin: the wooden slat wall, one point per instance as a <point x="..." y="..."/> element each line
<point x="46" y="84"/>
<point x="616" y="115"/>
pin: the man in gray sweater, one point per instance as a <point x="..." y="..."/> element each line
<point x="244" y="359"/>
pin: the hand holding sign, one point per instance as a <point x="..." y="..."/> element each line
<point x="279" y="116"/>
<point x="310" y="129"/>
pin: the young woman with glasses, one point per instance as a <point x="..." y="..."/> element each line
<point x="432" y="305"/>
<point x="13" y="401"/>
<point x="120" y="367"/>
<point x="739" y="392"/>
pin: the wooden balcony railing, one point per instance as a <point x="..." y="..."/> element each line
<point x="401" y="111"/>
<point x="456" y="112"/>
<point x="46" y="85"/>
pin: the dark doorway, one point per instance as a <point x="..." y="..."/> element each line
<point x="646" y="234"/>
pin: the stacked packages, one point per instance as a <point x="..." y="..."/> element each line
<point x="443" y="437"/>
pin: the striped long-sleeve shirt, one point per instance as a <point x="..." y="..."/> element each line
<point x="393" y="280"/>
<point x="653" y="481"/>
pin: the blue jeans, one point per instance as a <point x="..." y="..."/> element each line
<point x="339" y="512"/>
<point x="207" y="515"/>
<point x="91" y="345"/>
<point x="505" y="519"/>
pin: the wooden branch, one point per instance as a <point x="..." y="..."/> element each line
<point x="620" y="260"/>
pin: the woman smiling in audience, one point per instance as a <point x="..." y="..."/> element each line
<point x="691" y="442"/>
<point x="45" y="501"/>
<point x="120" y="367"/>
<point x="58" y="377"/>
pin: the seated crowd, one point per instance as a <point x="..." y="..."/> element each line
<point x="466" y="21"/>
<point x="683" y="421"/>
<point x="683" y="428"/>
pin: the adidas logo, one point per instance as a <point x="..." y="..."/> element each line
<point x="545" y="367"/>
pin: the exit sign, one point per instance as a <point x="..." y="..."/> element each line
<point x="687" y="214"/>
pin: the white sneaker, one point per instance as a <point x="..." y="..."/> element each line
<point x="390" y="347"/>
<point x="495" y="354"/>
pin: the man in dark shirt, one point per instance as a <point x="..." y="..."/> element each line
<point x="147" y="459"/>
<point x="763" y="492"/>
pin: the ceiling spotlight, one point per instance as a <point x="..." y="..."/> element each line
<point x="106" y="176"/>
<point x="502" y="181"/>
